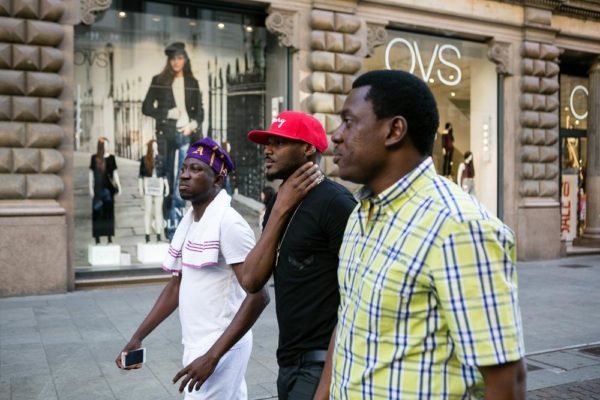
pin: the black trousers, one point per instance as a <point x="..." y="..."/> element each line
<point x="299" y="382"/>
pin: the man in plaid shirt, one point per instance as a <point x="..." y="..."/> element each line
<point x="428" y="286"/>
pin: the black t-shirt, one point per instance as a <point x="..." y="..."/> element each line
<point x="306" y="287"/>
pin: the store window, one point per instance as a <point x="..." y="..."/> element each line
<point x="150" y="78"/>
<point x="464" y="83"/>
<point x="573" y="150"/>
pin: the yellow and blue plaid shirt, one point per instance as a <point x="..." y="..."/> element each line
<point x="428" y="293"/>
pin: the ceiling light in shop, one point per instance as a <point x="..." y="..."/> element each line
<point x="576" y="122"/>
<point x="451" y="77"/>
<point x="249" y="29"/>
<point x="192" y="23"/>
<point x="431" y="80"/>
<point x="122" y="14"/>
<point x="221" y="25"/>
<point x="156" y="19"/>
<point x="566" y="108"/>
<point x="453" y="94"/>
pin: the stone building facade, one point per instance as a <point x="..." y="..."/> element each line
<point x="530" y="43"/>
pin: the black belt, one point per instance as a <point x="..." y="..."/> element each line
<point x="313" y="356"/>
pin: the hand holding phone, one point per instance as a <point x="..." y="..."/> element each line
<point x="133" y="358"/>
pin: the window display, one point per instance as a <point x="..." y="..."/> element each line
<point x="150" y="78"/>
<point x="464" y="83"/>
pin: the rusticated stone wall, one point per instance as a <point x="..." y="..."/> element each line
<point x="334" y="44"/>
<point x="539" y="120"/>
<point x="30" y="84"/>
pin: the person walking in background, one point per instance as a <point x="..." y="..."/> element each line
<point x="303" y="229"/>
<point x="205" y="257"/>
<point x="266" y="196"/>
<point x="427" y="276"/>
<point x="174" y="100"/>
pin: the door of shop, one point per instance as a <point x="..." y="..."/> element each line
<point x="573" y="156"/>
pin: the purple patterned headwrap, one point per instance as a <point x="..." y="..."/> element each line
<point x="213" y="155"/>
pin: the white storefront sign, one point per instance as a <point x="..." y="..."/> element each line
<point x="442" y="53"/>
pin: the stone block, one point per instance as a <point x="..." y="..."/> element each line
<point x="5" y="160"/>
<point x="538" y="16"/>
<point x="27" y="9"/>
<point x="549" y="85"/>
<point x="332" y="122"/>
<point x="530" y="50"/>
<point x="530" y="84"/>
<point x="552" y="69"/>
<point x="551" y="171"/>
<point x="527" y="170"/>
<point x="334" y="83"/>
<point x="317" y="40"/>
<point x="539" y="137"/>
<point x="530" y="153"/>
<point x="43" y="135"/>
<point x="538" y="234"/>
<point x="548" y="188"/>
<point x="25" y="109"/>
<point x="548" y="120"/>
<point x="527" y="136"/>
<point x="322" y="20"/>
<point x="348" y="81"/>
<point x="321" y="117"/>
<point x="317" y="82"/>
<point x="5" y="55"/>
<point x="12" y="134"/>
<point x="5" y="108"/>
<point x="346" y="23"/>
<point x="50" y="110"/>
<point x="552" y="136"/>
<point x="12" y="30"/>
<point x="12" y="82"/>
<point x="51" y="59"/>
<point x="26" y="160"/>
<point x="539" y="68"/>
<point x="530" y="119"/>
<point x="51" y="161"/>
<point x="347" y="64"/>
<point x="25" y="57"/>
<point x="539" y="102"/>
<point x="329" y="168"/>
<point x="549" y="52"/>
<point x="109" y="254"/>
<point x="548" y="153"/>
<point x="529" y="188"/>
<point x="526" y="101"/>
<point x="44" y="33"/>
<point x="322" y="61"/>
<point x="4" y="8"/>
<point x="152" y="253"/>
<point x="12" y="186"/>
<point x="44" y="84"/>
<point x="51" y="10"/>
<point x="334" y="42"/>
<point x="527" y="66"/>
<point x="539" y="171"/>
<point x="552" y="102"/>
<point x="351" y="43"/>
<point x="44" y="186"/>
<point x="321" y="103"/>
<point x="339" y="102"/>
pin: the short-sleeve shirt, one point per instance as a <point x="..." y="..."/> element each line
<point x="305" y="274"/>
<point x="428" y="292"/>
<point x="209" y="297"/>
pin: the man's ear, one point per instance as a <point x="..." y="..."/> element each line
<point x="397" y="132"/>
<point x="310" y="150"/>
<point x="220" y="180"/>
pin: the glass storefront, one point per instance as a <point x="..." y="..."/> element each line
<point x="573" y="150"/>
<point x="464" y="83"/>
<point x="149" y="78"/>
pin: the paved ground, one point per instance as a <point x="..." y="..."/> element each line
<point x="63" y="346"/>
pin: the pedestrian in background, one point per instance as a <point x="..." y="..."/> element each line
<point x="427" y="276"/>
<point x="205" y="257"/>
<point x="303" y="230"/>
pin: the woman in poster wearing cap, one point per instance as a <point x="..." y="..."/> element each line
<point x="174" y="100"/>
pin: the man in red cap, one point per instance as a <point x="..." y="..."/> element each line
<point x="302" y="233"/>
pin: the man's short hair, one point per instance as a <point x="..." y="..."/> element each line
<point x="400" y="93"/>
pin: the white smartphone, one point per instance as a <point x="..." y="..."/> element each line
<point x="133" y="357"/>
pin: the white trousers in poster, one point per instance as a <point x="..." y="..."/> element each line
<point x="227" y="381"/>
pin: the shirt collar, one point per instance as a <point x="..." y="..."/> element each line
<point x="425" y="169"/>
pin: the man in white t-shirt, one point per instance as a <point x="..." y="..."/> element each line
<point x="205" y="257"/>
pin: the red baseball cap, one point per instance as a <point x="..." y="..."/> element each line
<point x="294" y="125"/>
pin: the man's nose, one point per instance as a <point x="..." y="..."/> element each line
<point x="336" y="136"/>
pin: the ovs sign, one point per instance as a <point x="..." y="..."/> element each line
<point x="441" y="53"/>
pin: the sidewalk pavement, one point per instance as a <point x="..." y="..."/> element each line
<point x="63" y="346"/>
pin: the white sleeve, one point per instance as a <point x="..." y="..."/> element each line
<point x="237" y="239"/>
